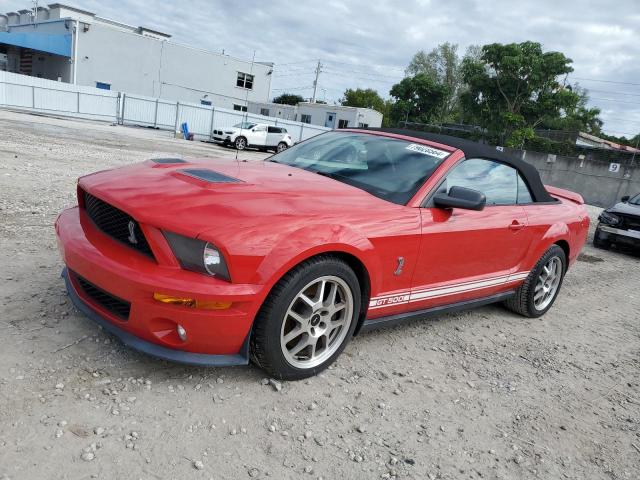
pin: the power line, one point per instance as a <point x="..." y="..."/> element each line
<point x="294" y="63"/>
<point x="294" y="74"/>
<point x="615" y="93"/>
<point x="291" y="88"/>
<point x="361" y="65"/>
<point x="626" y="102"/>
<point x="364" y="74"/>
<point x="606" y="81"/>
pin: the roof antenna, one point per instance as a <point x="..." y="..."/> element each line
<point x="246" y="98"/>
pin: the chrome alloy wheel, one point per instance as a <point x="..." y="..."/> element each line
<point x="316" y="322"/>
<point x="547" y="283"/>
<point x="241" y="143"/>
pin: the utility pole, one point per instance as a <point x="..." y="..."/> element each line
<point x="315" y="82"/>
<point x="35" y="12"/>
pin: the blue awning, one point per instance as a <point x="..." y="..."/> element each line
<point x="43" y="42"/>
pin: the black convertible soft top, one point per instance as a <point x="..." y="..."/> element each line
<point x="477" y="150"/>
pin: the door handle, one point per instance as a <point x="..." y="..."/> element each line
<point x="516" y="226"/>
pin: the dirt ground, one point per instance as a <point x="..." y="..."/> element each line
<point x="483" y="394"/>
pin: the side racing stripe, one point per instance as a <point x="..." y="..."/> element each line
<point x="421" y="293"/>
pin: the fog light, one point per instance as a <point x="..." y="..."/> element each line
<point x="182" y="333"/>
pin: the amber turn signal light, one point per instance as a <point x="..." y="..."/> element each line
<point x="191" y="302"/>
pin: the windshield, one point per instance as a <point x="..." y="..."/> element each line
<point x="245" y="125"/>
<point x="388" y="168"/>
<point x="635" y="200"/>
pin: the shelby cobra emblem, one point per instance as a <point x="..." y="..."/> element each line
<point x="132" y="232"/>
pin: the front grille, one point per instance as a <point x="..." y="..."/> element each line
<point x="120" y="308"/>
<point x="116" y="224"/>
<point x="630" y="222"/>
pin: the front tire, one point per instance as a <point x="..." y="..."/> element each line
<point x="540" y="289"/>
<point x="307" y="319"/>
<point x="240" y="143"/>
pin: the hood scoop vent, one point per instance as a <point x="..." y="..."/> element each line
<point x="208" y="175"/>
<point x="165" y="161"/>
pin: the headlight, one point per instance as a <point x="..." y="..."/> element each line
<point x="198" y="255"/>
<point x="610" y="219"/>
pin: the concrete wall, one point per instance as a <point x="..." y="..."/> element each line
<point x="590" y="178"/>
<point x="188" y="73"/>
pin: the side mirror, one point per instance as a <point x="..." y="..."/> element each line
<point x="625" y="198"/>
<point x="460" y="197"/>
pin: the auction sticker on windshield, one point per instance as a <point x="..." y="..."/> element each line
<point x="425" y="150"/>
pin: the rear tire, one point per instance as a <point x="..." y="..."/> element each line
<point x="541" y="288"/>
<point x="307" y="320"/>
<point x="281" y="147"/>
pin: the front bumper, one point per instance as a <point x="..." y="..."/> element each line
<point x="616" y="235"/>
<point x="223" y="138"/>
<point x="214" y="337"/>
<point x="190" y="358"/>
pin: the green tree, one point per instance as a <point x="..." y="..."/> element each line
<point x="365" y="98"/>
<point x="579" y="117"/>
<point x="419" y="98"/>
<point x="288" y="99"/>
<point x="443" y="65"/>
<point x="368" y="98"/>
<point x="513" y="89"/>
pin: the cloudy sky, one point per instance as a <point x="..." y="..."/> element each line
<point x="368" y="43"/>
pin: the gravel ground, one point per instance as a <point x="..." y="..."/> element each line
<point x="481" y="394"/>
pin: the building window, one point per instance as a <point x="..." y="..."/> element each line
<point x="103" y="86"/>
<point x="264" y="111"/>
<point x="244" y="80"/>
<point x="304" y="118"/>
<point x="239" y="108"/>
<point x="343" y="123"/>
<point x="205" y="102"/>
<point x="363" y="125"/>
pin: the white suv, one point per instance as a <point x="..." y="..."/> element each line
<point x="257" y="135"/>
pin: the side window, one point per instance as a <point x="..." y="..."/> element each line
<point x="497" y="181"/>
<point x="524" y="195"/>
<point x="272" y="130"/>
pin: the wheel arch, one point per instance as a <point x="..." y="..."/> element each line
<point x="352" y="259"/>
<point x="557" y="234"/>
<point x="564" y="245"/>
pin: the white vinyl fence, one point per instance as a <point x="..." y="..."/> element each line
<point x="57" y="98"/>
<point x="47" y="96"/>
<point x="201" y="119"/>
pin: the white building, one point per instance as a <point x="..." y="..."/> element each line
<point x="331" y="116"/>
<point x="76" y="46"/>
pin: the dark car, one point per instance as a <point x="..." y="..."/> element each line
<point x="620" y="224"/>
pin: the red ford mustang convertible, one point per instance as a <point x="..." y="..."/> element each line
<point x="215" y="262"/>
